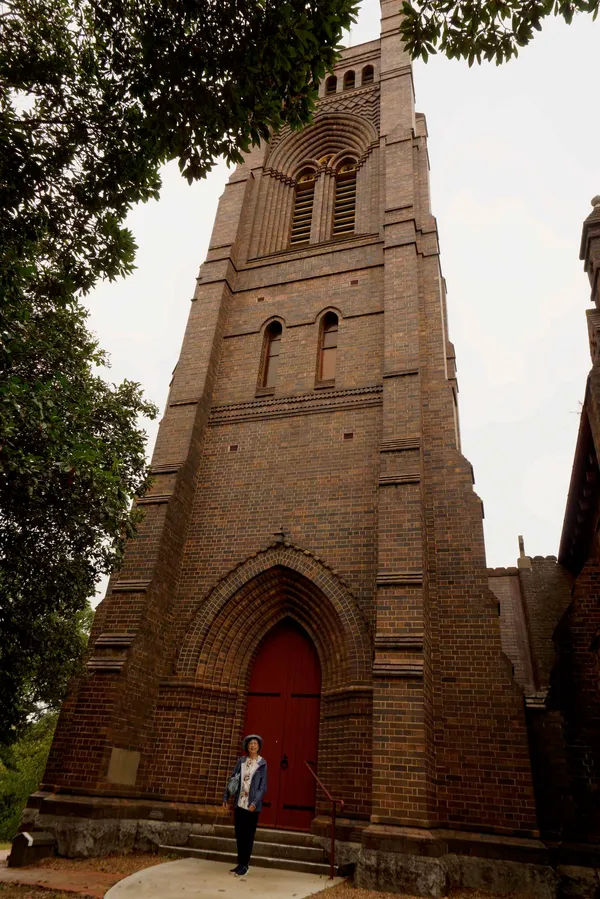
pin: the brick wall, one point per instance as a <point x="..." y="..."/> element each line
<point x="505" y="585"/>
<point x="382" y="560"/>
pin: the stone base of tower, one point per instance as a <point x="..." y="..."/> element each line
<point x="435" y="862"/>
<point x="409" y="860"/>
<point x="91" y="826"/>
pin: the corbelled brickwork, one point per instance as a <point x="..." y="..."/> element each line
<point x="380" y="559"/>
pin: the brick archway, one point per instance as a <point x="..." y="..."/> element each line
<point x="200" y="716"/>
<point x="282" y="581"/>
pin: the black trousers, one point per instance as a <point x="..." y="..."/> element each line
<point x="245" y="828"/>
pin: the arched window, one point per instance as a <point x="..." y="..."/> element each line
<point x="367" y="75"/>
<point x="272" y="349"/>
<point x="348" y="81"/>
<point x="328" y="348"/>
<point x="331" y="85"/>
<point x="303" y="207"/>
<point x="345" y="199"/>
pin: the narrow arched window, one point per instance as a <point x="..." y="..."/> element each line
<point x="328" y="348"/>
<point x="367" y="75"/>
<point x="344" y="212"/>
<point x="303" y="207"/>
<point x="348" y="81"/>
<point x="272" y="350"/>
<point x="331" y="85"/>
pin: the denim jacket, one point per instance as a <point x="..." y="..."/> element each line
<point x="258" y="784"/>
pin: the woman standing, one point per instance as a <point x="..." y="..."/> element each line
<point x="249" y="786"/>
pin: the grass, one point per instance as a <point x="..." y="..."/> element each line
<point x="5" y="845"/>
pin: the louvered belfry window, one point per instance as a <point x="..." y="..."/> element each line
<point x="344" y="213"/>
<point x="303" y="207"/>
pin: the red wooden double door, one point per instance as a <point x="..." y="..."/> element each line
<point x="283" y="707"/>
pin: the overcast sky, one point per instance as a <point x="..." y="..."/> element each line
<point x="515" y="161"/>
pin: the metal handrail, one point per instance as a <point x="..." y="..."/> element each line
<point x="334" y="802"/>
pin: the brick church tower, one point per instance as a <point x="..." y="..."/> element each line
<point x="311" y="563"/>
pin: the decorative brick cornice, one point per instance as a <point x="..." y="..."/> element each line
<point x="335" y="245"/>
<point x="304" y="404"/>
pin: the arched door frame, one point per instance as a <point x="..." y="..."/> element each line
<point x="313" y="594"/>
<point x="217" y="656"/>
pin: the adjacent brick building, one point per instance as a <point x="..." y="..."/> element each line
<point x="308" y="477"/>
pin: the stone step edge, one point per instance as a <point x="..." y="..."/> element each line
<point x="275" y="848"/>
<point x="259" y="861"/>
<point x="269" y="835"/>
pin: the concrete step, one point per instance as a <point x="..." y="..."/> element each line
<point x="230" y="858"/>
<point x="270" y="835"/>
<point x="265" y="849"/>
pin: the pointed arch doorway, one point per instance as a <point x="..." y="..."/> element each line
<point x="283" y="707"/>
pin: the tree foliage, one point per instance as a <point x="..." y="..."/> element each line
<point x="95" y="95"/>
<point x="474" y="30"/>
<point x="71" y="458"/>
<point x="21" y="771"/>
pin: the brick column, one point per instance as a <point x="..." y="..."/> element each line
<point x="401" y="742"/>
<point x="104" y="725"/>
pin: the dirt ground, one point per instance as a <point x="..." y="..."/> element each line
<point x="123" y="865"/>
<point x="348" y="891"/>
<point x="66" y="878"/>
<point x="14" y="891"/>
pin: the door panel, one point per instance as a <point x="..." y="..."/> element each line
<point x="297" y="786"/>
<point x="269" y="712"/>
<point x="283" y="706"/>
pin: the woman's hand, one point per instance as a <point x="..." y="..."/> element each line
<point x="225" y="804"/>
<point x="251" y="808"/>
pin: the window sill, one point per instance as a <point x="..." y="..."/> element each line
<point x="324" y="385"/>
<point x="265" y="391"/>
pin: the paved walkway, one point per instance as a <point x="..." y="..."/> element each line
<point x="193" y="878"/>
